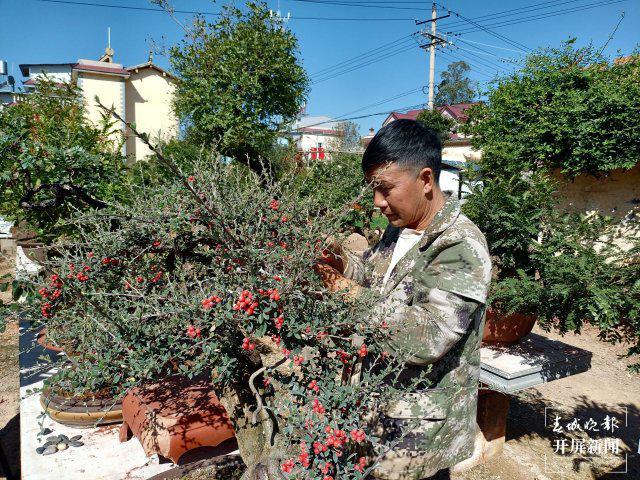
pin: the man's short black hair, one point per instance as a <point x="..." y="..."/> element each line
<point x="408" y="143"/>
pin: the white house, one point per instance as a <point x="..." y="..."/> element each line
<point x="458" y="146"/>
<point x="316" y="137"/>
<point x="141" y="94"/>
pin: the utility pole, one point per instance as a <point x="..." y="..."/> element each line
<point x="432" y="57"/>
<point x="434" y="42"/>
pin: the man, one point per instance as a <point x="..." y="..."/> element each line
<point x="432" y="269"/>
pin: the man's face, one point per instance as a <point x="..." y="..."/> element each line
<point x="401" y="194"/>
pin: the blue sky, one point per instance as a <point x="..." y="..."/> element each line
<point x="35" y="31"/>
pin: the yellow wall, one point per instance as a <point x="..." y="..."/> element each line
<point x="615" y="195"/>
<point x="148" y="105"/>
<point x="108" y="88"/>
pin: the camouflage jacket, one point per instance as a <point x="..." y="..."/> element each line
<point x="434" y="305"/>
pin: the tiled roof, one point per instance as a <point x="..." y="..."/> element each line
<point x="33" y="81"/>
<point x="318" y="131"/>
<point x="152" y="66"/>
<point x="456" y="111"/>
<point x="410" y="115"/>
<point x="83" y="67"/>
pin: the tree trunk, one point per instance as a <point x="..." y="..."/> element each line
<point x="259" y="444"/>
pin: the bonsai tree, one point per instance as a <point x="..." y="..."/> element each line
<point x="213" y="274"/>
<point x="53" y="161"/>
<point x="340" y="182"/>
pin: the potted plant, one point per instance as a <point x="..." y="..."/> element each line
<point x="512" y="213"/>
<point x="212" y="273"/>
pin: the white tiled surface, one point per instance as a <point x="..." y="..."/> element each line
<point x="101" y="457"/>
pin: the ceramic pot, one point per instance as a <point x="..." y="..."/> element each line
<point x="42" y="341"/>
<point x="85" y="412"/>
<point x="501" y="328"/>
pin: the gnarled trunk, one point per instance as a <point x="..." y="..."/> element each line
<point x="259" y="444"/>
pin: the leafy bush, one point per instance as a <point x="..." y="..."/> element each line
<point x="435" y="120"/>
<point x="339" y="182"/>
<point x="53" y="161"/>
<point x="567" y="109"/>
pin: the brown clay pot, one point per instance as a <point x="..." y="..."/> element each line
<point x="42" y="341"/>
<point x="501" y="328"/>
<point x="174" y="416"/>
<point x="82" y="412"/>
<point x="35" y="251"/>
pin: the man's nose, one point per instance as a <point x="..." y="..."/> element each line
<point x="379" y="201"/>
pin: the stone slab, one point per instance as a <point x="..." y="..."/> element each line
<point x="533" y="361"/>
<point x="102" y="457"/>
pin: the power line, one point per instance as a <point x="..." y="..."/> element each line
<point x="473" y="66"/>
<point x="362" y="55"/>
<point x="541" y="16"/>
<point x="485" y="62"/>
<point x="357" y="5"/>
<point x="381" y="102"/>
<point x="364" y="64"/>
<point x="612" y="33"/>
<point x="516" y="11"/>
<point x="410" y="107"/>
<point x="125" y="7"/>
<point x="196" y="12"/>
<point x="504" y="38"/>
<point x="489" y="45"/>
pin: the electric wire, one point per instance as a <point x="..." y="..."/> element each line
<point x="539" y="17"/>
<point x="381" y="102"/>
<point x="362" y="55"/>
<point x="364" y="64"/>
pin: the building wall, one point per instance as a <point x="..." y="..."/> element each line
<point x="148" y="104"/>
<point x="108" y="88"/>
<point x="450" y="182"/>
<point x="58" y="73"/>
<point x="460" y="153"/>
<point x="616" y="195"/>
<point x="307" y="141"/>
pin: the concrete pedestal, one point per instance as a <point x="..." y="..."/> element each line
<point x="493" y="408"/>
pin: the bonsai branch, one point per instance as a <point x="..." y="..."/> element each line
<point x="174" y="169"/>
<point x="260" y="405"/>
<point x="60" y="192"/>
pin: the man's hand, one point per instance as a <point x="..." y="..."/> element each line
<point x="334" y="281"/>
<point x="333" y="255"/>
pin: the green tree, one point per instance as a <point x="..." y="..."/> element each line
<point x="54" y="161"/>
<point x="455" y="85"/>
<point x="240" y="82"/>
<point x="567" y="109"/>
<point x="350" y="139"/>
<point x="440" y="123"/>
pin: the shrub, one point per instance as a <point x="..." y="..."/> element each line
<point x="213" y="274"/>
<point x="53" y="161"/>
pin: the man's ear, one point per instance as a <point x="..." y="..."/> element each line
<point x="426" y="175"/>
